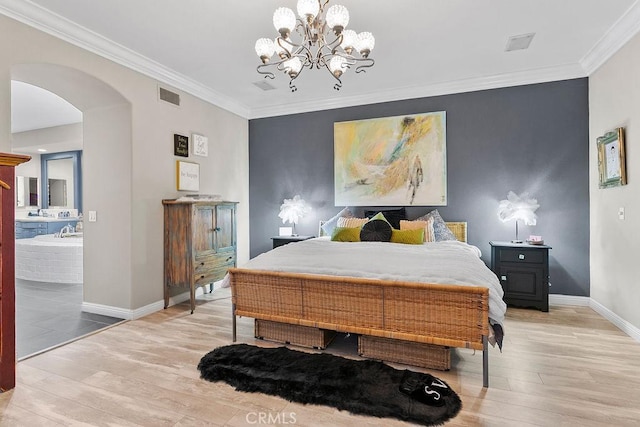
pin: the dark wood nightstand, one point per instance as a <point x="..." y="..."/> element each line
<point x="523" y="271"/>
<point x="283" y="240"/>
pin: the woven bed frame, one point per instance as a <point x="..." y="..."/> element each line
<point x="443" y="315"/>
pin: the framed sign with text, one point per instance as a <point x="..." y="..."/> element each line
<point x="180" y="145"/>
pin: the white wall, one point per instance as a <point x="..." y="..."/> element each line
<point x="130" y="168"/>
<point x="614" y="101"/>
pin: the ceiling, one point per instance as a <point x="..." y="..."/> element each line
<point x="423" y="47"/>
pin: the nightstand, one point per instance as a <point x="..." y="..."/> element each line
<point x="523" y="271"/>
<point x="283" y="240"/>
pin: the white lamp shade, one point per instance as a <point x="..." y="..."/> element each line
<point x="366" y="43"/>
<point x="349" y="39"/>
<point x="520" y="207"/>
<point x="293" y="65"/>
<point x="284" y="20"/>
<point x="337" y="17"/>
<point x="264" y="48"/>
<point x="308" y="8"/>
<point x="338" y="64"/>
<point x="292" y="210"/>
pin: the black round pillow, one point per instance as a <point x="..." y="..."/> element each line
<point x="376" y="230"/>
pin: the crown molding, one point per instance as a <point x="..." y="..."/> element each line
<point x="46" y="21"/>
<point x="618" y="35"/>
<point x="542" y="75"/>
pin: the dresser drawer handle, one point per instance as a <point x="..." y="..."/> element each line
<point x="521" y="256"/>
<point x="216" y="229"/>
<point x="202" y="277"/>
<point x="202" y="263"/>
<point x="503" y="277"/>
<point x="230" y="258"/>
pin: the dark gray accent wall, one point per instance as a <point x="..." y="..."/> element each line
<point x="528" y="138"/>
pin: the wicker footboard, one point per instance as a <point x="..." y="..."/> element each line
<point x="440" y="315"/>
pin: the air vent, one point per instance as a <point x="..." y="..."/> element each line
<point x="168" y="96"/>
<point x="264" y="85"/>
<point x="519" y="42"/>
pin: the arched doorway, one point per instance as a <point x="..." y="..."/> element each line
<point x="106" y="135"/>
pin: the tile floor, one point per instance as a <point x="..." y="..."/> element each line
<point x="49" y="314"/>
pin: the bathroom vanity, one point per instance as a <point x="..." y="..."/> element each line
<point x="35" y="226"/>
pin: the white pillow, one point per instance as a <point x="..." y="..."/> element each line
<point x="332" y="223"/>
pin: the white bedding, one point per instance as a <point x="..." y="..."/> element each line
<point x="450" y="262"/>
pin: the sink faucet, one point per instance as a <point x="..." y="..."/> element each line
<point x="67" y="229"/>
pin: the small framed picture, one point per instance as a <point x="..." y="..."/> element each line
<point x="200" y="145"/>
<point x="180" y="145"/>
<point x="612" y="159"/>
<point x="187" y="176"/>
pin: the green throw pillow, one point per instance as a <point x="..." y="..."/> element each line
<point x="346" y="234"/>
<point x="411" y="237"/>
<point x="379" y="215"/>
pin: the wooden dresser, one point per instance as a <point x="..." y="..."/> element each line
<point x="199" y="244"/>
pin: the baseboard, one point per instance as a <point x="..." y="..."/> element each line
<point x="558" y="299"/>
<point x="107" y="310"/>
<point x="624" y="326"/>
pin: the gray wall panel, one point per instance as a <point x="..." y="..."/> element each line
<point x="527" y="138"/>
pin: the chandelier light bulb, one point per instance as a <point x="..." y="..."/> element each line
<point x="265" y="49"/>
<point x="349" y="39"/>
<point x="284" y="20"/>
<point x="366" y="43"/>
<point x="293" y="66"/>
<point x="337" y="18"/>
<point x="338" y="65"/>
<point x="308" y="9"/>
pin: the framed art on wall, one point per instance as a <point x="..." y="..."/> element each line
<point x="200" y="145"/>
<point x="612" y="170"/>
<point x="391" y="161"/>
<point x="187" y="176"/>
<point x="180" y="145"/>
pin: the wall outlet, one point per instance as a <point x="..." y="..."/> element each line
<point x="620" y="213"/>
<point x="93" y="216"/>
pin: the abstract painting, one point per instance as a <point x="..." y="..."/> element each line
<point x="391" y="161"/>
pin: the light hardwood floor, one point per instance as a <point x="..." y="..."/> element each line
<point x="568" y="367"/>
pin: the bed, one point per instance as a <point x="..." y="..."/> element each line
<point x="385" y="305"/>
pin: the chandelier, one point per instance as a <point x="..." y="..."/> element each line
<point x="314" y="49"/>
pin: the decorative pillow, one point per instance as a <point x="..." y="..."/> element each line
<point x="440" y="230"/>
<point x="376" y="230"/>
<point x="379" y="216"/>
<point x="351" y="222"/>
<point x="345" y="234"/>
<point x="411" y="237"/>
<point x="427" y="226"/>
<point x="332" y="223"/>
<point x="393" y="216"/>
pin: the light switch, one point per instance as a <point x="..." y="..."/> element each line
<point x="620" y="213"/>
<point x="93" y="216"/>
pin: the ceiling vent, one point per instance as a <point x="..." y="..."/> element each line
<point x="519" y="42"/>
<point x="264" y="85"/>
<point x="168" y="96"/>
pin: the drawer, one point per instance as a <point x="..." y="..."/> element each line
<point x="519" y="255"/>
<point x="213" y="262"/>
<point x="212" y="275"/>
<point x="31" y="225"/>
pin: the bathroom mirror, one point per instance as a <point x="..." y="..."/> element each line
<point x="58" y="193"/>
<point x="26" y="191"/>
<point x="62" y="180"/>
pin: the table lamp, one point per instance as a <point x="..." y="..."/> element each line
<point x="292" y="210"/>
<point x="518" y="207"/>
